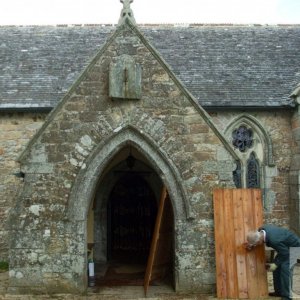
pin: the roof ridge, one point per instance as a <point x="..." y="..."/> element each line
<point x="158" y="24"/>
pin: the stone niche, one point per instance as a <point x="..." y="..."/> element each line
<point x="125" y="79"/>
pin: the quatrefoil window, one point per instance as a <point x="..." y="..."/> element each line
<point x="242" y="138"/>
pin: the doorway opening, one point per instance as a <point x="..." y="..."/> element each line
<point x="125" y="213"/>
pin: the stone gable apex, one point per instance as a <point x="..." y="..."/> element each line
<point x="126" y="24"/>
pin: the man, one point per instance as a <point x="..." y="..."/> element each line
<point x="280" y="239"/>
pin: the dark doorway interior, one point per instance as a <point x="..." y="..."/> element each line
<point x="132" y="211"/>
<point x="131" y="214"/>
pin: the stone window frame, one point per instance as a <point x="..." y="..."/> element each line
<point x="262" y="148"/>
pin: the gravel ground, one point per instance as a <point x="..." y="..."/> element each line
<point x="296" y="282"/>
<point x="133" y="292"/>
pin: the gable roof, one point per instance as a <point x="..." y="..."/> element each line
<point x="222" y="66"/>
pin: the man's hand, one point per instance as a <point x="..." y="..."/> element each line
<point x="271" y="267"/>
<point x="248" y="246"/>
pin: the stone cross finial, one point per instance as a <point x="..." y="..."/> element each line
<point x="126" y="11"/>
<point x="126" y="3"/>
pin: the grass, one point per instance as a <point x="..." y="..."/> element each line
<point x="3" y="266"/>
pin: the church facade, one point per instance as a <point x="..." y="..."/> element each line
<point x="97" y="120"/>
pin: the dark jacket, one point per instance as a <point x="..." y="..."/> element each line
<point x="280" y="239"/>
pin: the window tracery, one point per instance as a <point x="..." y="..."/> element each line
<point x="242" y="138"/>
<point x="253" y="176"/>
<point x="247" y="172"/>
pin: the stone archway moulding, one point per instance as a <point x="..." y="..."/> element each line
<point x="86" y="182"/>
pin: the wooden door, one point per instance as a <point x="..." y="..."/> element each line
<point x="158" y="248"/>
<point x="240" y="273"/>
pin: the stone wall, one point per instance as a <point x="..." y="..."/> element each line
<point x="16" y="130"/>
<point x="276" y="176"/>
<point x="295" y="173"/>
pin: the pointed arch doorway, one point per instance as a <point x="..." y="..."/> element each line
<point x="125" y="212"/>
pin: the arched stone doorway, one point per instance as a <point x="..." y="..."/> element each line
<point x="124" y="214"/>
<point x="96" y="180"/>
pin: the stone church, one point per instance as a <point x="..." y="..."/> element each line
<point x="96" y="120"/>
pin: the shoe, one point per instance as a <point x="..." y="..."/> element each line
<point x="274" y="294"/>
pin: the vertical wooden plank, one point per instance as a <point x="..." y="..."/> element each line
<point x="229" y="242"/>
<point x="154" y="240"/>
<point x="260" y="250"/>
<point x="258" y="208"/>
<point x="221" y="274"/>
<point x="163" y="256"/>
<point x="239" y="240"/>
<point x="249" y="212"/>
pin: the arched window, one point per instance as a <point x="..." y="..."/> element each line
<point x="254" y="148"/>
<point x="242" y="139"/>
<point x="247" y="170"/>
<point x="237" y="175"/>
<point x="253" y="172"/>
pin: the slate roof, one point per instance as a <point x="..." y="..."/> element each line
<point x="226" y="66"/>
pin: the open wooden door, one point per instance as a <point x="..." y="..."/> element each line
<point x="240" y="273"/>
<point x="159" y="257"/>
